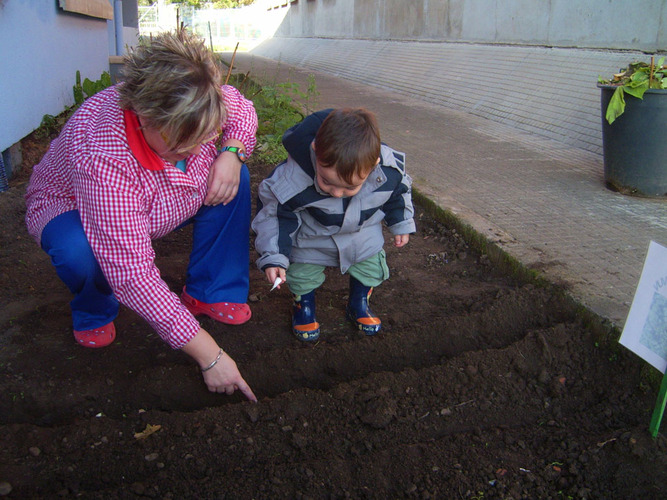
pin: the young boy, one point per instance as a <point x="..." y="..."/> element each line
<point x="324" y="207"/>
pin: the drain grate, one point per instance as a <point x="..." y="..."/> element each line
<point x="4" y="185"/>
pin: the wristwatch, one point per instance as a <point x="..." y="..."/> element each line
<point x="240" y="152"/>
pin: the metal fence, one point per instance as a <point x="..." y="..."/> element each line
<point x="223" y="28"/>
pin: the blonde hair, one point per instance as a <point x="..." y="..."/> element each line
<point x="174" y="83"/>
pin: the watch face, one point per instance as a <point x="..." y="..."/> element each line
<point x="242" y="156"/>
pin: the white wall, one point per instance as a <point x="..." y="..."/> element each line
<point x="598" y="24"/>
<point x="41" y="48"/>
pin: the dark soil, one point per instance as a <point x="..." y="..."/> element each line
<point x="481" y="385"/>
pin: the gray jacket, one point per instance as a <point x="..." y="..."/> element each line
<point x="296" y="222"/>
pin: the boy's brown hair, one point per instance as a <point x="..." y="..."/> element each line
<point x="349" y="140"/>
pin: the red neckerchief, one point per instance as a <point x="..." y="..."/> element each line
<point x="138" y="145"/>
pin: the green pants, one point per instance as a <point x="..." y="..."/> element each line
<point x="304" y="278"/>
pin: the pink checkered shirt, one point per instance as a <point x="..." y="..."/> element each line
<point x="123" y="206"/>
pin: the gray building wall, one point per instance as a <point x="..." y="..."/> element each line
<point x="609" y="24"/>
<point x="531" y="64"/>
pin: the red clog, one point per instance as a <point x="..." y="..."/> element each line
<point x="229" y="313"/>
<point x="96" y="337"/>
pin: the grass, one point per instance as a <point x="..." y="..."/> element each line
<point x="279" y="105"/>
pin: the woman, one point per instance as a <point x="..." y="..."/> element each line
<point x="135" y="162"/>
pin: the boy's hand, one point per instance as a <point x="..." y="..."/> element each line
<point x="275" y="272"/>
<point x="400" y="240"/>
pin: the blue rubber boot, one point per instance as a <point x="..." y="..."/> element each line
<point x="304" y="325"/>
<point x="358" y="311"/>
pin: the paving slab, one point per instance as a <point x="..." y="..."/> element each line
<point x="551" y="91"/>
<point x="540" y="200"/>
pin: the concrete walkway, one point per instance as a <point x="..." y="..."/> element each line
<point x="541" y="201"/>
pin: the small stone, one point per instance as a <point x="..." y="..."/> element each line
<point x="138" y="488"/>
<point x="253" y="413"/>
<point x="5" y="488"/>
<point x="299" y="441"/>
<point x="543" y="377"/>
<point x="34" y="451"/>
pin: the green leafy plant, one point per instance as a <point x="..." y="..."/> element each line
<point x="77" y="90"/>
<point x="634" y="80"/>
<point x="52" y="124"/>
<point x="278" y="107"/>
<point x="89" y="88"/>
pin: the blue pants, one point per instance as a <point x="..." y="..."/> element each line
<point x="217" y="271"/>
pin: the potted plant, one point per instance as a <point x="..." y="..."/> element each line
<point x="634" y="129"/>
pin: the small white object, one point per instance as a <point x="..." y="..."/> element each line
<point x="276" y="283"/>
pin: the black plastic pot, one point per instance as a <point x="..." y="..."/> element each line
<point x="635" y="145"/>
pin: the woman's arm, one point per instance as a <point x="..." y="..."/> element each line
<point x="240" y="131"/>
<point x="241" y="123"/>
<point x="114" y="204"/>
<point x="219" y="370"/>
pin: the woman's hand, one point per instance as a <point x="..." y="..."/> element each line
<point x="224" y="177"/>
<point x="224" y="375"/>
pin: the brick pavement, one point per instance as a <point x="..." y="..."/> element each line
<point x="541" y="201"/>
<point x="548" y="90"/>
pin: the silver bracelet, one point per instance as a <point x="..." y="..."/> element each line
<point x="215" y="361"/>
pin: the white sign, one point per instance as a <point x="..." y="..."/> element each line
<point x="645" y="331"/>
